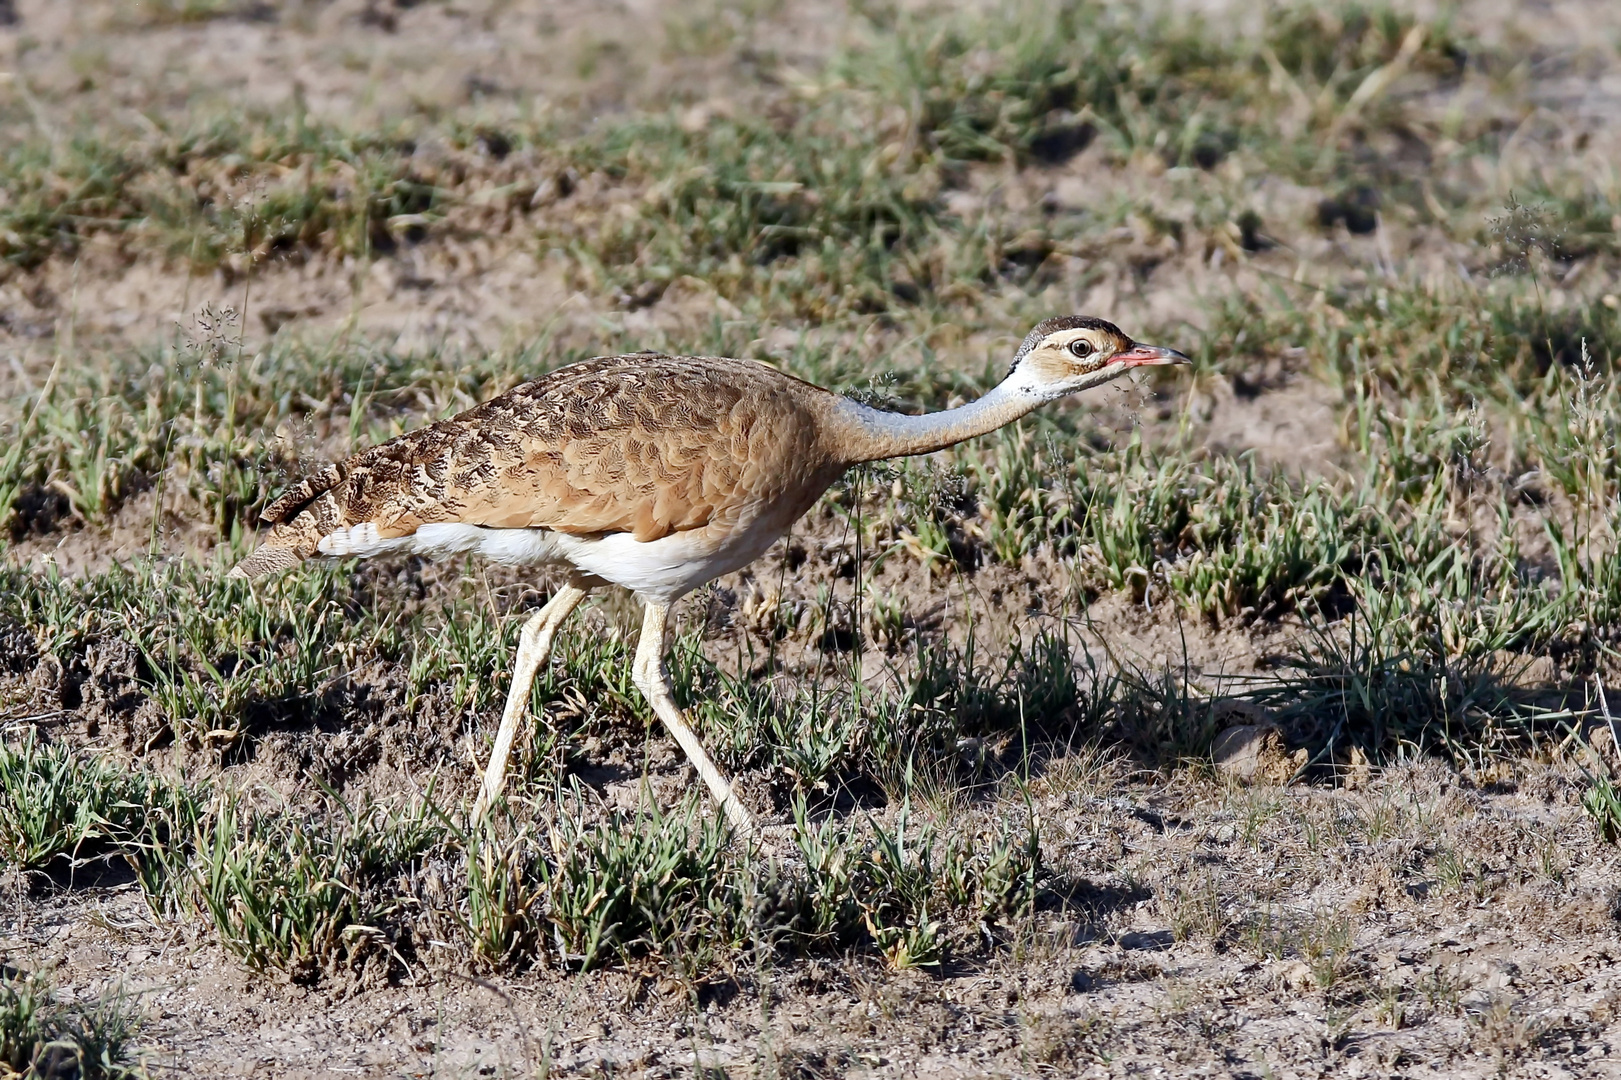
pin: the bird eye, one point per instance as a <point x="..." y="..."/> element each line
<point x="1082" y="348"/>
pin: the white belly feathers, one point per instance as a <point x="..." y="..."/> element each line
<point x="661" y="569"/>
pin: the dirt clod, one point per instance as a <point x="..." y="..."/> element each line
<point x="1254" y="753"/>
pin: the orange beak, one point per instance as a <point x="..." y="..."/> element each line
<point x="1145" y="355"/>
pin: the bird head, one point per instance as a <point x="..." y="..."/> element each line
<point x="1073" y="352"/>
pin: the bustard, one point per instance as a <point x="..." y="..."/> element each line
<point x="657" y="473"/>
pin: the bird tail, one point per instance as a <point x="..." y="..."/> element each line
<point x="284" y="547"/>
<point x="299" y="518"/>
<point x="269" y="558"/>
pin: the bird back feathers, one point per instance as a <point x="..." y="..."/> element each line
<point x="647" y="445"/>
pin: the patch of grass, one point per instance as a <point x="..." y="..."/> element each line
<point x="671" y="886"/>
<point x="1556" y="220"/>
<point x="60" y="805"/>
<point x="653" y="883"/>
<point x="216" y="428"/>
<point x="1322" y="940"/>
<point x="309" y="893"/>
<point x="86" y="447"/>
<point x="836" y="207"/>
<point x="1033" y="81"/>
<point x="1064" y="1040"/>
<point x="219" y="662"/>
<point x="216" y="657"/>
<point x="820" y="738"/>
<point x="41" y="1037"/>
<point x="336" y="887"/>
<point x="1355" y="686"/>
<point x="990" y="877"/>
<point x="460" y="655"/>
<point x="832" y="204"/>
<point x="260" y="186"/>
<point x="1160" y="715"/>
<point x="1602" y="801"/>
<point x="1224" y="538"/>
<point x="1254" y="546"/>
<point x="1500" y="338"/>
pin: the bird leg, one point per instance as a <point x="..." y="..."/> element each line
<point x="654" y="683"/>
<point x="534" y="647"/>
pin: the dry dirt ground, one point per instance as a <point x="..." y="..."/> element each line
<point x="1421" y="918"/>
<point x="1524" y="984"/>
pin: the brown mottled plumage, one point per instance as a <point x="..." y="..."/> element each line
<point x="641" y="444"/>
<point x="649" y="471"/>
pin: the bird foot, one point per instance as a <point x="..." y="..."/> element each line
<point x="779" y="840"/>
<point x="783" y="831"/>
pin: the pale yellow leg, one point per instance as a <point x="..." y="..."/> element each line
<point x="654" y="683"/>
<point x="534" y="647"/>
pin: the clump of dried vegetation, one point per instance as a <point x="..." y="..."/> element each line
<point x="1443" y="585"/>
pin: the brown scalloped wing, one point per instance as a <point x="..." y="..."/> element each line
<point x="648" y="445"/>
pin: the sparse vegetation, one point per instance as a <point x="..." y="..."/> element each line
<point x="60" y="805"/>
<point x="42" y="1037"/>
<point x="989" y="697"/>
<point x="1603" y="804"/>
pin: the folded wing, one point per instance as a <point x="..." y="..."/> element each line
<point x="646" y="445"/>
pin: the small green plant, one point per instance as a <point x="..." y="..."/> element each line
<point x="506" y="892"/>
<point x="1195" y="909"/>
<point x="41" y="1038"/>
<point x="285" y="891"/>
<point x="1602" y="801"/>
<point x="59" y="805"/>
<point x="1441" y="990"/>
<point x="1390" y="1007"/>
<point x="653" y="883"/>
<point x="1326" y="942"/>
<point x="1452" y="871"/>
<point x="1266" y="932"/>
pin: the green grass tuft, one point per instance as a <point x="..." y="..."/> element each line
<point x="40" y="1037"/>
<point x="1602" y="801"/>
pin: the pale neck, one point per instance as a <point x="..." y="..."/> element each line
<point x="868" y="434"/>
